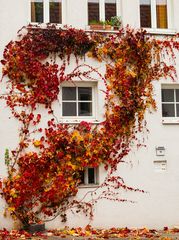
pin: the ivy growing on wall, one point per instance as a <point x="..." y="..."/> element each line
<point x="44" y="182"/>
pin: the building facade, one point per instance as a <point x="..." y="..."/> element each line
<point x="154" y="168"/>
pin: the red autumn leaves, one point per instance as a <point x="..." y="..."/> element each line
<point x="45" y="181"/>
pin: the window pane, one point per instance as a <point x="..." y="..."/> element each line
<point x="177" y="95"/>
<point x="69" y="109"/>
<point x="85" y="93"/>
<point x="69" y="93"/>
<point x="177" y="105"/>
<point x="37" y="11"/>
<point x="168" y="110"/>
<point x="93" y="10"/>
<point x="110" y="9"/>
<point x="85" y="108"/>
<point x="167" y="95"/>
<point x="82" y="177"/>
<point x="91" y="176"/>
<point x="145" y="13"/>
<point x="161" y="9"/>
<point x="55" y="11"/>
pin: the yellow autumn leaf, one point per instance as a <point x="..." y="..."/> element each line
<point x="89" y="54"/>
<point x="37" y="143"/>
<point x="88" y="153"/>
<point x="71" y="232"/>
<point x="48" y="180"/>
<point x="50" y="154"/>
<point x="105" y="50"/>
<point x="95" y="151"/>
<point x="11" y="209"/>
<point x="78" y="159"/>
<point x="16" y="177"/>
<point x="30" y="154"/>
<point x="72" y="166"/>
<point x="88" y="233"/>
<point x="132" y="73"/>
<point x="13" y="193"/>
<point x="76" y="135"/>
<point x="90" y="136"/>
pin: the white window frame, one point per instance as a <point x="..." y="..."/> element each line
<point x="170" y="120"/>
<point x="77" y="119"/>
<point x="86" y="184"/>
<point x="102" y="9"/>
<point x="154" y="17"/>
<point x="46" y="12"/>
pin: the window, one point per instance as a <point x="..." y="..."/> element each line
<point x="47" y="11"/>
<point x="78" y="101"/>
<point x="101" y="10"/>
<point x="170" y="102"/>
<point x="93" y="10"/>
<point x="55" y="11"/>
<point x="110" y="9"/>
<point x="37" y="11"/>
<point x="89" y="176"/>
<point x="155" y="13"/>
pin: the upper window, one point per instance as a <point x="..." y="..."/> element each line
<point x="93" y="10"/>
<point x="47" y="11"/>
<point x="154" y="13"/>
<point x="170" y="102"/>
<point x="110" y="9"/>
<point x="55" y="11"/>
<point x="37" y="12"/>
<point x="101" y="10"/>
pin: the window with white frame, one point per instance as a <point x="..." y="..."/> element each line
<point x="155" y="14"/>
<point x="89" y="176"/>
<point x="101" y="10"/>
<point x="170" y="102"/>
<point x="78" y="101"/>
<point x="93" y="10"/>
<point x="37" y="11"/>
<point x="47" y="11"/>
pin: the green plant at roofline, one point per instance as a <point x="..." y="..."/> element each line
<point x="116" y="21"/>
<point x="107" y="22"/>
<point x="96" y="25"/>
<point x="31" y="189"/>
<point x="94" y="22"/>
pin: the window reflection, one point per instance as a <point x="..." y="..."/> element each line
<point x="145" y="13"/>
<point x="110" y="9"/>
<point x="55" y="11"/>
<point x="161" y="8"/>
<point x="93" y="11"/>
<point x="37" y="11"/>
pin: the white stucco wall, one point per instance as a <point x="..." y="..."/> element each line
<point x="160" y="205"/>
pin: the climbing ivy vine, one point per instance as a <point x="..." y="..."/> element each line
<point x="44" y="172"/>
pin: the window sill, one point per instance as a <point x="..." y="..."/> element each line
<point x="77" y="121"/>
<point x="88" y="186"/>
<point x="45" y="25"/>
<point x="103" y="31"/>
<point x="152" y="31"/>
<point x="160" y="31"/>
<point x="170" y="121"/>
<point x="88" y="29"/>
